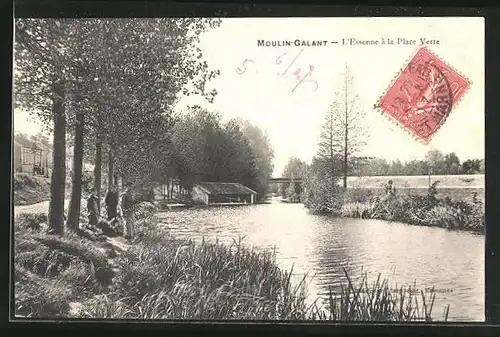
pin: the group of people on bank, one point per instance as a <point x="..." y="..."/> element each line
<point x="118" y="207"/>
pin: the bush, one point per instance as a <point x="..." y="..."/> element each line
<point x="429" y="210"/>
<point x="26" y="221"/>
<point x="324" y="198"/>
<point x="358" y="195"/>
<point x="30" y="189"/>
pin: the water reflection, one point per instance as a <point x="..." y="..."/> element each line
<point x="322" y="246"/>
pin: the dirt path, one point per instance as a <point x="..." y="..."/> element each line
<point x="35" y="208"/>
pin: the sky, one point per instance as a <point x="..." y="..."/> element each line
<point x="293" y="120"/>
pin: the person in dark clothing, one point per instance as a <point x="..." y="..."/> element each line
<point x="111" y="202"/>
<point x="127" y="206"/>
<point x="390" y="189"/>
<point x="93" y="207"/>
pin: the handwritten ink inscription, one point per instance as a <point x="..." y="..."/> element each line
<point x="286" y="61"/>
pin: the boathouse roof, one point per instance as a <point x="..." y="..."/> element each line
<point x="216" y="188"/>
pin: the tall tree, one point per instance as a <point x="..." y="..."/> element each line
<point x="76" y="183"/>
<point x="321" y="197"/>
<point x="244" y="163"/>
<point x="152" y="61"/>
<point x="42" y="65"/>
<point x="472" y="166"/>
<point x="295" y="168"/>
<point x="343" y="135"/>
<point x="261" y="147"/>
<point x="452" y="163"/>
<point x="436" y="162"/>
<point x="79" y="99"/>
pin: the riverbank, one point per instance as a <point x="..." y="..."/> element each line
<point x="424" y="209"/>
<point x="85" y="274"/>
<point x="30" y="189"/>
<point x="429" y="210"/>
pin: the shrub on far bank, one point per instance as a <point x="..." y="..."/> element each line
<point x="323" y="198"/>
<point x="429" y="210"/>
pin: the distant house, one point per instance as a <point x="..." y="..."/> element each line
<point x="36" y="158"/>
<point x="32" y="157"/>
<point x="222" y="193"/>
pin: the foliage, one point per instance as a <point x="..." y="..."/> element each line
<point x="206" y="150"/>
<point x="295" y="168"/>
<point x="30" y="189"/>
<point x="343" y="134"/>
<point x="361" y="301"/>
<point x="434" y="162"/>
<point x="110" y="84"/>
<point x="161" y="277"/>
<point x="428" y="210"/>
<point x="323" y="193"/>
<point x="263" y="155"/>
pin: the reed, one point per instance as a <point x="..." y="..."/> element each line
<point x="174" y="279"/>
<point x="161" y="277"/>
<point x="419" y="210"/>
<point x="360" y="301"/>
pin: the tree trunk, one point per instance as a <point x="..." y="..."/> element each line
<point x="97" y="171"/>
<point x="172" y="189"/>
<point x="119" y="183"/>
<point x="151" y="194"/>
<point x="346" y="138"/>
<point x="76" y="188"/>
<point x="111" y="169"/>
<point x="58" y="178"/>
<point x="345" y="169"/>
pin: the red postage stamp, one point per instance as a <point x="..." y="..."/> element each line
<point x="423" y="95"/>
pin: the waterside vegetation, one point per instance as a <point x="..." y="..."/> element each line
<point x="422" y="210"/>
<point x="83" y="274"/>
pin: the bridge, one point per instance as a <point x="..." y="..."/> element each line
<point x="285" y="180"/>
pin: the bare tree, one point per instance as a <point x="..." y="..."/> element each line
<point x="343" y="135"/>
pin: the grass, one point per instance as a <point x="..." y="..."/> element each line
<point x="161" y="277"/>
<point x="379" y="302"/>
<point x="429" y="209"/>
<point x="31" y="189"/>
<point x="50" y="271"/>
<point x="173" y="279"/>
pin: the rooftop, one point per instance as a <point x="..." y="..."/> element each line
<point x="224" y="188"/>
<point x="28" y="143"/>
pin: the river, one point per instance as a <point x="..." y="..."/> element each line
<point x="452" y="262"/>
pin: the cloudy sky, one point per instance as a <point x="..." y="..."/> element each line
<point x="293" y="119"/>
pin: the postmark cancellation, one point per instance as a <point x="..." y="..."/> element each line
<point x="422" y="96"/>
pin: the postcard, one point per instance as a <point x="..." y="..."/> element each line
<point x="249" y="169"/>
